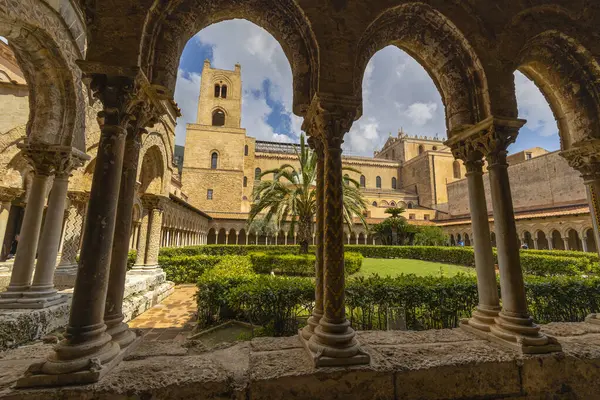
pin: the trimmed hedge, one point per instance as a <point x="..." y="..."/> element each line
<point x="187" y="269"/>
<point x="230" y="250"/>
<point x="297" y="265"/>
<point x="426" y="302"/>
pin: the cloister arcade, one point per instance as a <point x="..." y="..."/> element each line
<point x="124" y="55"/>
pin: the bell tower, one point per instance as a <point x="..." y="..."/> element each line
<point x="220" y="100"/>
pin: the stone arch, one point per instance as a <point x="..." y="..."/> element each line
<point x="448" y="57"/>
<point x="231" y="236"/>
<point x="528" y="239"/>
<point x="221" y="235"/>
<point x="152" y="171"/>
<point x="242" y="237"/>
<point x="47" y="52"/>
<point x="542" y="240"/>
<point x="574" y="240"/>
<point x="452" y="241"/>
<point x="169" y="27"/>
<point x="211" y="237"/>
<point x="590" y="239"/>
<point x="161" y="158"/>
<point x="557" y="241"/>
<point x="467" y="239"/>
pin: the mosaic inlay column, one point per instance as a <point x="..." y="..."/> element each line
<point x="317" y="145"/>
<point x="87" y="353"/>
<point x="20" y="280"/>
<point x="489" y="303"/>
<point x="513" y="326"/>
<point x="72" y="236"/>
<point x="333" y="341"/>
<point x="155" y="205"/>
<point x="142" y="240"/>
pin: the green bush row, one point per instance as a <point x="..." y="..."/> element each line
<point x="187" y="269"/>
<point x="592" y="257"/>
<point x="297" y="265"/>
<point x="229" y="250"/>
<point x="432" y="302"/>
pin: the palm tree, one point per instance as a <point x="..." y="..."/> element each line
<point x="291" y="195"/>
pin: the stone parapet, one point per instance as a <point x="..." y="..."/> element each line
<point x="435" y="364"/>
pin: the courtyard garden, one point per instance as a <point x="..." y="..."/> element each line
<point x="427" y="287"/>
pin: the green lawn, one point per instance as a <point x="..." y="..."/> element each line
<point x="397" y="266"/>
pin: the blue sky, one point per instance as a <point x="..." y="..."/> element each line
<point x="397" y="92"/>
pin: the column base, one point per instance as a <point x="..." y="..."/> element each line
<point x="66" y="269"/>
<point x="593" y="319"/>
<point x="481" y="319"/>
<point x="145" y="269"/>
<point x="312" y="323"/>
<point x="517" y="333"/>
<point x="122" y="335"/>
<point x="33" y="302"/>
<point x="95" y="371"/>
<point x="320" y="360"/>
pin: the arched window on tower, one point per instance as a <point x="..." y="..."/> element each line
<point x="434" y="148"/>
<point x="421" y="149"/>
<point x="218" y="118"/>
<point x="217" y="90"/>
<point x="346" y="178"/>
<point x="245" y="181"/>
<point x="363" y="181"/>
<point x="394" y="183"/>
<point x="257" y="173"/>
<point x="410" y="205"/>
<point x="246" y="150"/>
<point x="378" y="182"/>
<point x="456" y="169"/>
<point x="214" y="159"/>
<point x="224" y="91"/>
<point x="374" y="204"/>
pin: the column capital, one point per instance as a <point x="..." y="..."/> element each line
<point x="78" y="197"/>
<point x="489" y="138"/>
<point x="8" y="194"/>
<point x="152" y="201"/>
<point x="584" y="156"/>
<point x="329" y="117"/>
<point x="49" y="159"/>
<point x="130" y="101"/>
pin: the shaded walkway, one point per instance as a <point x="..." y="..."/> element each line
<point x="173" y="319"/>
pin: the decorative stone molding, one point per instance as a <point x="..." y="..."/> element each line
<point x="8" y="194"/>
<point x="330" y="117"/>
<point x="585" y="157"/>
<point x="152" y="202"/>
<point x="48" y="159"/>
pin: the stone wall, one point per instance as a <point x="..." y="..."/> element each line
<point x="545" y="181"/>
<point x="14" y="106"/>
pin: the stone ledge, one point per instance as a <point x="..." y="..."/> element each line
<point x="442" y="364"/>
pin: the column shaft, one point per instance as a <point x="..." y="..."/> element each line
<point x="140" y="258"/>
<point x="154" y="237"/>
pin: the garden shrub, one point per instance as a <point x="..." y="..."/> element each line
<point x="215" y="284"/>
<point x="592" y="257"/>
<point x="297" y="265"/>
<point x="273" y="302"/>
<point x="131" y="256"/>
<point x="187" y="269"/>
<point x="231" y="250"/>
<point x="546" y="265"/>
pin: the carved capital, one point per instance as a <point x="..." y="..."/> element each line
<point x="8" y="194"/>
<point x="584" y="156"/>
<point x="49" y="159"/>
<point x="78" y="198"/>
<point x="489" y="138"/>
<point x="330" y="117"/>
<point x="152" y="202"/>
<point x="317" y="146"/>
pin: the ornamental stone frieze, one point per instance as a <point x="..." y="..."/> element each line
<point x="8" y="194"/>
<point x="152" y="202"/>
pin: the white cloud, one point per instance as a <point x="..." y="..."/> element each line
<point x="420" y="113"/>
<point x="533" y="107"/>
<point x="186" y="97"/>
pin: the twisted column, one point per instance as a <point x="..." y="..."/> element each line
<point x="87" y="352"/>
<point x="40" y="158"/>
<point x="489" y="303"/>
<point x="333" y="341"/>
<point x="155" y="205"/>
<point x="317" y="146"/>
<point x="113" y="313"/>
<point x="513" y="326"/>
<point x="42" y="292"/>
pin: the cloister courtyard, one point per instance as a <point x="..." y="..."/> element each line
<point x="429" y="270"/>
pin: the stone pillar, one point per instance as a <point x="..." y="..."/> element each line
<point x="333" y="341"/>
<point x="550" y="245"/>
<point x="317" y="145"/>
<point x="513" y="326"/>
<point x="155" y="205"/>
<point x="565" y="240"/>
<point x="87" y="353"/>
<point x="42" y="292"/>
<point x="285" y="238"/>
<point x="113" y="313"/>
<point x="535" y="243"/>
<point x="584" y="243"/>
<point x="143" y="240"/>
<point x="20" y="279"/>
<point x="489" y="304"/>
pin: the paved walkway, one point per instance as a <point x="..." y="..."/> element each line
<point x="173" y="319"/>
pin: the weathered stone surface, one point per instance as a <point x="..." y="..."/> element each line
<point x="403" y="337"/>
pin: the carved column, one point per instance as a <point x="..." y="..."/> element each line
<point x="489" y="303"/>
<point x="87" y="352"/>
<point x="42" y="292"/>
<point x="333" y="341"/>
<point x="317" y="145"/>
<point x="155" y="205"/>
<point x="513" y="326"/>
<point x="584" y="156"/>
<point x="113" y="313"/>
<point x="40" y="158"/>
<point x="72" y="235"/>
